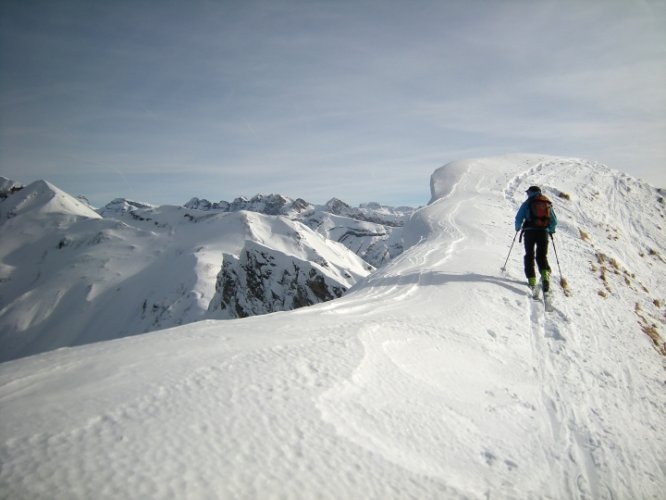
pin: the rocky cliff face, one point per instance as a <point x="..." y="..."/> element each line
<point x="263" y="280"/>
<point x="8" y="186"/>
<point x="272" y="204"/>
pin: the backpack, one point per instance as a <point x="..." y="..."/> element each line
<point x="539" y="212"/>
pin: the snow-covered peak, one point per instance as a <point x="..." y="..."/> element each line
<point x="276" y="204"/>
<point x="370" y="212"/>
<point x="338" y="207"/>
<point x="120" y="206"/>
<point x="372" y="230"/>
<point x="205" y="205"/>
<point x="272" y="204"/>
<point x="44" y="198"/>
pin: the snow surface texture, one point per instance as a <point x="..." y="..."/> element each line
<point x="435" y="377"/>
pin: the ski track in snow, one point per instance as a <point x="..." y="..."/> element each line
<point x="574" y="397"/>
<point x="576" y="431"/>
<point x="436" y="377"/>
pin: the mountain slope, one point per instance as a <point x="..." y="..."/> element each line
<point x="68" y="276"/>
<point x="435" y="377"/>
<point x="372" y="231"/>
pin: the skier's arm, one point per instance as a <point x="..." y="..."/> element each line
<point x="520" y="216"/>
<point x="553" y="222"/>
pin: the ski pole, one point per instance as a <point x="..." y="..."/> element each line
<point x="556" y="257"/>
<point x="563" y="281"/>
<point x="510" y="248"/>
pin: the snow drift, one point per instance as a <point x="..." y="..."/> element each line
<point x="436" y="376"/>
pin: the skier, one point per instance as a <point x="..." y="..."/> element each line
<point x="537" y="220"/>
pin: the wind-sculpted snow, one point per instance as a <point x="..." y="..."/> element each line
<point x="445" y="179"/>
<point x="437" y="376"/>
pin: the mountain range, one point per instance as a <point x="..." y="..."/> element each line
<point x="72" y="274"/>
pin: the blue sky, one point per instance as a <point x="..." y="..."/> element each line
<point x="358" y="99"/>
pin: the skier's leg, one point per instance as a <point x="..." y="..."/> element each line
<point x="541" y="240"/>
<point x="528" y="260"/>
<point x="542" y="258"/>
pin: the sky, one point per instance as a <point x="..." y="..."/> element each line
<point x="161" y="101"/>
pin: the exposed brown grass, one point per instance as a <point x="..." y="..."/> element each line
<point x="651" y="331"/>
<point x="565" y="287"/>
<point x="650" y="328"/>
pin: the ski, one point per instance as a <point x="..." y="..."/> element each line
<point x="535" y="292"/>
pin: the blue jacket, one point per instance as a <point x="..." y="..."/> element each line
<point x="524" y="212"/>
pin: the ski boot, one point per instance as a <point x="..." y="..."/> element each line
<point x="545" y="280"/>
<point x="534" y="289"/>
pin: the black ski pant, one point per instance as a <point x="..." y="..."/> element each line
<point x="536" y="238"/>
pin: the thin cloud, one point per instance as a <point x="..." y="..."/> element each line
<point x="280" y="94"/>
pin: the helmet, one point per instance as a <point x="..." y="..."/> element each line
<point x="533" y="189"/>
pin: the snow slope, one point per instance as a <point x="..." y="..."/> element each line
<point x="434" y="377"/>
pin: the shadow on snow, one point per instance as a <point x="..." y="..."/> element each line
<point x="438" y="278"/>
